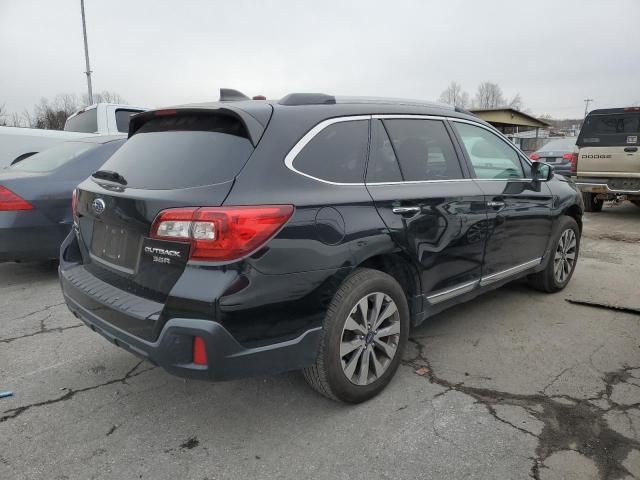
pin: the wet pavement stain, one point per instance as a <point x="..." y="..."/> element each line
<point x="570" y="424"/>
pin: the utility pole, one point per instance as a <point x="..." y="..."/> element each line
<point x="86" y="53"/>
<point x="587" y="101"/>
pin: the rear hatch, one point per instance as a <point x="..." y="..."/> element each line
<point x="609" y="144"/>
<point x="172" y="159"/>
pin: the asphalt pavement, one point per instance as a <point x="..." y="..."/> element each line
<point x="513" y="385"/>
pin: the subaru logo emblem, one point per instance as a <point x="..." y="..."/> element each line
<point x="98" y="206"/>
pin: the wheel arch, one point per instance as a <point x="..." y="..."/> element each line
<point x="404" y="271"/>
<point x="574" y="211"/>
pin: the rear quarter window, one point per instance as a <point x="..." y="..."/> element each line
<point x="86" y="122"/>
<point x="183" y="151"/>
<point x="337" y="153"/>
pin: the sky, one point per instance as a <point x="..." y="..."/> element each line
<point x="554" y="53"/>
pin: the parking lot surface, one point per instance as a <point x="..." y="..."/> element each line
<point x="513" y="385"/>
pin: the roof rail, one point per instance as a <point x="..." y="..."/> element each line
<point x="464" y="110"/>
<point x="308" y="99"/>
<point x="231" y="95"/>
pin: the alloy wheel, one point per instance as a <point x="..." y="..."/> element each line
<point x="565" y="257"/>
<point x="370" y="338"/>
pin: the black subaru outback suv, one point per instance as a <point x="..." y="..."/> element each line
<point x="250" y="237"/>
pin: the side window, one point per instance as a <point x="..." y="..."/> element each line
<point x="491" y="157"/>
<point x="383" y="165"/>
<point x="122" y="119"/>
<point x="337" y="153"/>
<point x="424" y="149"/>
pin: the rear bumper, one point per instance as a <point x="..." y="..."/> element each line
<point x="603" y="186"/>
<point x="41" y="242"/>
<point x="172" y="350"/>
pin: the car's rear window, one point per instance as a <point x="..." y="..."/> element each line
<point x="610" y="130"/>
<point x="54" y="157"/>
<point x="182" y="151"/>
<point x="86" y="122"/>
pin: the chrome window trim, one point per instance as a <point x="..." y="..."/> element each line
<point x="450" y="293"/>
<point x="297" y="148"/>
<point x="495" y="277"/>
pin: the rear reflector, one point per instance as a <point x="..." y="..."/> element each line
<point x="221" y="233"/>
<point x="9" y="201"/>
<point x="199" y="351"/>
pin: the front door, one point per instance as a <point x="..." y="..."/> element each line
<point x="518" y="208"/>
<point x="434" y="213"/>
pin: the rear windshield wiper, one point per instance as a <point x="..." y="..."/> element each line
<point x="109" y="175"/>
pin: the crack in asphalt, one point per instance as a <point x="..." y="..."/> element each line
<point x="39" y="332"/>
<point x="605" y="306"/>
<point x="40" y="310"/>
<point x="572" y="424"/>
<point x="14" y="412"/>
<point x="43" y="328"/>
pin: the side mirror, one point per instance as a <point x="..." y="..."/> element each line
<point x="541" y="171"/>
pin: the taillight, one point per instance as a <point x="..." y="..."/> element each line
<point x="221" y="233"/>
<point x="9" y="201"/>
<point x="573" y="158"/>
<point x="74" y="205"/>
<point x="534" y="156"/>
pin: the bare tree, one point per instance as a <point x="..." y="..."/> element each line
<point x="3" y="114"/>
<point x="489" y="95"/>
<point x="516" y="103"/>
<point x="52" y="115"/>
<point x="454" y="95"/>
<point x="105" y="96"/>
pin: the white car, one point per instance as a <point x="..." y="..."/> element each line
<point x="98" y="119"/>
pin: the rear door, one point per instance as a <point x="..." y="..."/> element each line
<point x="174" y="160"/>
<point x="518" y="209"/>
<point x="610" y="146"/>
<point x="434" y="213"/>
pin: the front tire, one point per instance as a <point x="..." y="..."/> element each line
<point x="591" y="202"/>
<point x="564" y="256"/>
<point x="364" y="335"/>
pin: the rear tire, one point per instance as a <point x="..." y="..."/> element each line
<point x="564" y="257"/>
<point x="365" y="329"/>
<point x="591" y="202"/>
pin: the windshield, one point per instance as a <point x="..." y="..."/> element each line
<point x="86" y="122"/>
<point x="54" y="157"/>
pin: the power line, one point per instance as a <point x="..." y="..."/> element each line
<point x="86" y="53"/>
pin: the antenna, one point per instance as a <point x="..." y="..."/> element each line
<point x="86" y="53"/>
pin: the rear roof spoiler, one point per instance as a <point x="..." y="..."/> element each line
<point x="255" y="122"/>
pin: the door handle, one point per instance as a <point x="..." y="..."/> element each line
<point x="631" y="149"/>
<point x="403" y="210"/>
<point x="495" y="204"/>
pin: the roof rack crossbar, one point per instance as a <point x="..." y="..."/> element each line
<point x="307" y="99"/>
